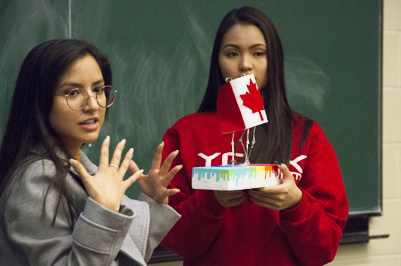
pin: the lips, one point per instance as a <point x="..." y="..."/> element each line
<point x="90" y="121"/>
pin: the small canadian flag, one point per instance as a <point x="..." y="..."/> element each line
<point x="240" y="105"/>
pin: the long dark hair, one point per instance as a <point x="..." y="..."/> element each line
<point x="28" y="126"/>
<point x="273" y="139"/>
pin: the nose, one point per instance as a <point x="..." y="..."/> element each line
<point x="245" y="64"/>
<point x="92" y="101"/>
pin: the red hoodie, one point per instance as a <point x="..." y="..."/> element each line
<point x="247" y="234"/>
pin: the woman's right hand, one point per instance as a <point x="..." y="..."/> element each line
<point x="107" y="186"/>
<point x="229" y="198"/>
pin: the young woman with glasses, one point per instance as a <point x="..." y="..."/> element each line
<point x="298" y="222"/>
<point x="56" y="207"/>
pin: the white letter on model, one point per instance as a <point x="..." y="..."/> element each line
<point x="208" y="159"/>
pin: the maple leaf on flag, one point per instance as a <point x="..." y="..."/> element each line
<point x="252" y="99"/>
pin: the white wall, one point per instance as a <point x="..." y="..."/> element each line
<point x="385" y="251"/>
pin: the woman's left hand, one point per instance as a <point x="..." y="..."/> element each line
<point x="284" y="196"/>
<point x="154" y="184"/>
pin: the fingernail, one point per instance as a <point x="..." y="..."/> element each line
<point x="131" y="151"/>
<point x="123" y="142"/>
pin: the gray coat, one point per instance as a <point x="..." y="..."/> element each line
<point x="99" y="237"/>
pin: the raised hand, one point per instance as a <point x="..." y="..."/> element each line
<point x="154" y="184"/>
<point x="284" y="196"/>
<point x="107" y="186"/>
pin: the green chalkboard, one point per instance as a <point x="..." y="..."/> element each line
<point x="160" y="53"/>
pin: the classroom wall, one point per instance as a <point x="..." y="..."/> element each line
<point x="386" y="251"/>
<point x="382" y="251"/>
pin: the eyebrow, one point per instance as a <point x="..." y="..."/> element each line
<point x="73" y="84"/>
<point x="236" y="46"/>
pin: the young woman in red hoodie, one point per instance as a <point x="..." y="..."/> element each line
<point x="298" y="222"/>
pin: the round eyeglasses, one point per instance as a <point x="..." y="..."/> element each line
<point x="78" y="98"/>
